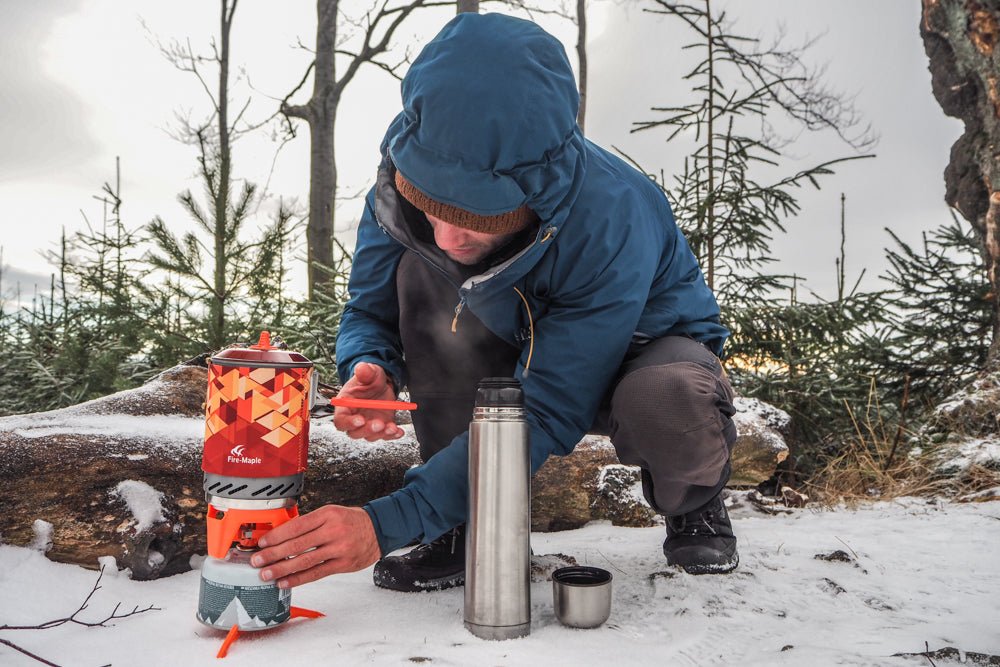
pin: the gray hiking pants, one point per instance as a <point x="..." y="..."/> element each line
<point x="668" y="411"/>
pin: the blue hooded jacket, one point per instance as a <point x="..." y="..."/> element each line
<point x="488" y="125"/>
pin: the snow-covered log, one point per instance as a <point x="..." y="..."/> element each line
<point x="121" y="476"/>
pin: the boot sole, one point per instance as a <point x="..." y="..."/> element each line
<point x="389" y="582"/>
<point x="712" y="568"/>
<point x="698" y="560"/>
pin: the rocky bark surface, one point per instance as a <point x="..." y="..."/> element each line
<point x="960" y="39"/>
<point x="121" y="475"/>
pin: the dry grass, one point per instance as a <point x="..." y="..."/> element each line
<point x="873" y="465"/>
<point x="976" y="480"/>
<point x="860" y="473"/>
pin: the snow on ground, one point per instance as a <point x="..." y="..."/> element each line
<point x="922" y="571"/>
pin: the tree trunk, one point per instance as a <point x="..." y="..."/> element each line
<point x="222" y="193"/>
<point x="463" y="6"/>
<point x="320" y="113"/>
<point x="960" y="39"/>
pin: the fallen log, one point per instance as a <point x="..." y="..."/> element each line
<point x="121" y="476"/>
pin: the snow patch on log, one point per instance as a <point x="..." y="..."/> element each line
<point x="43" y="536"/>
<point x="963" y="433"/>
<point x="169" y="393"/>
<point x="751" y="408"/>
<point x="329" y="444"/>
<point x="760" y="445"/>
<point x="620" y="498"/>
<point x="621" y="483"/>
<point x="167" y="428"/>
<point x="110" y="565"/>
<point x="963" y="455"/>
<point x="143" y="501"/>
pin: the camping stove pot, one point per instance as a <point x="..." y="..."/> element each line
<point x="256" y="449"/>
<point x="257" y="422"/>
<point x="498" y="551"/>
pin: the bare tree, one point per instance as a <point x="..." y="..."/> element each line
<point x="961" y="40"/>
<point x="378" y="27"/>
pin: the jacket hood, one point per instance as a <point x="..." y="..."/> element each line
<point x="489" y="118"/>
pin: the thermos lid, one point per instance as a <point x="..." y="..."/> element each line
<point x="261" y="354"/>
<point x="499" y="393"/>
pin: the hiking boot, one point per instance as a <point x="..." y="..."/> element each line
<point x="702" y="541"/>
<point x="427" y="567"/>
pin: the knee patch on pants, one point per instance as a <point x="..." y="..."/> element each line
<point x="673" y="421"/>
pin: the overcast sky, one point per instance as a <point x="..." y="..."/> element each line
<point x="83" y="82"/>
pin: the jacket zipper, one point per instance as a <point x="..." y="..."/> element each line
<point x="458" y="311"/>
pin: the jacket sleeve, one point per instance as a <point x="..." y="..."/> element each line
<point x="369" y="326"/>
<point x="597" y="294"/>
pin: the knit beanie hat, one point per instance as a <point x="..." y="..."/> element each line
<point x="502" y="223"/>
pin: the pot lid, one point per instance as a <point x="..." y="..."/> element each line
<point x="262" y="353"/>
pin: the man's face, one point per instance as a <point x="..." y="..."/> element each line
<point x="463" y="245"/>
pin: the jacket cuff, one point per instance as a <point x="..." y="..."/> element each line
<point x="395" y="519"/>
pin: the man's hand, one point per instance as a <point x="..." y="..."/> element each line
<point x="331" y="540"/>
<point x="369" y="381"/>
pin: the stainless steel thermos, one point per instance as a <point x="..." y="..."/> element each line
<point x="498" y="549"/>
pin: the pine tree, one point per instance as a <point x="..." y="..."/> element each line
<point x="726" y="198"/>
<point x="85" y="338"/>
<point x="231" y="279"/>
<point x="940" y="319"/>
<point x="811" y="359"/>
<point x="731" y="200"/>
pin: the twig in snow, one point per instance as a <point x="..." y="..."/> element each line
<point x="72" y="618"/>
<point x="27" y="653"/>
<point x="952" y="654"/>
<point x="849" y="547"/>
<point x="927" y="654"/>
<point x="610" y="563"/>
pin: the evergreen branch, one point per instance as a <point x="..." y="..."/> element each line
<point x="239" y="212"/>
<point x="194" y="209"/>
<point x="824" y="168"/>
